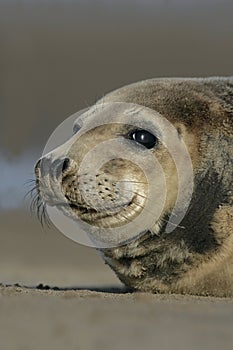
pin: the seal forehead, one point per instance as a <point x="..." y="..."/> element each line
<point x="194" y="102"/>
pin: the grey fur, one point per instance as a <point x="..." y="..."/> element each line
<point x="184" y="260"/>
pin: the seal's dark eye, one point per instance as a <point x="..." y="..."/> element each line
<point x="144" y="137"/>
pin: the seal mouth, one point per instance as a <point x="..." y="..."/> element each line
<point x="98" y="217"/>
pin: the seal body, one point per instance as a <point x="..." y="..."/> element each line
<point x="197" y="256"/>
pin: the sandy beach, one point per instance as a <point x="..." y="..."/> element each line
<point x="84" y="319"/>
<point x="80" y="304"/>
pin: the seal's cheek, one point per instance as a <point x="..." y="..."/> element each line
<point x="170" y="172"/>
<point x="191" y="140"/>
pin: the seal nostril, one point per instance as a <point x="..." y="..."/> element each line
<point x="65" y="164"/>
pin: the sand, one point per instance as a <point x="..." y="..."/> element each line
<point x="89" y="308"/>
<point x="83" y="319"/>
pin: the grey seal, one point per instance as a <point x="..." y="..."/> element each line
<point x="197" y="256"/>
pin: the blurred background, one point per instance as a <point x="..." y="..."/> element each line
<point x="61" y="56"/>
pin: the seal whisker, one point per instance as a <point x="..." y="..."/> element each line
<point x="29" y="182"/>
<point x="138" y="194"/>
<point x="34" y="202"/>
<point x="85" y="174"/>
<point x="38" y="207"/>
<point x="30" y="192"/>
<point x="134" y="182"/>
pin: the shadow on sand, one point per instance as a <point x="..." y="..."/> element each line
<point x="104" y="289"/>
